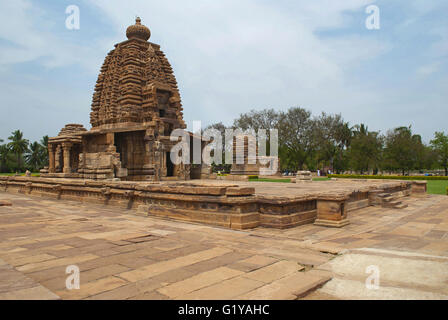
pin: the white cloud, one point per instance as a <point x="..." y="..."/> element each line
<point x="27" y="33"/>
<point x="428" y="69"/>
<point x="230" y="56"/>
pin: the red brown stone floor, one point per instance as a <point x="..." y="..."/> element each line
<point x="125" y="256"/>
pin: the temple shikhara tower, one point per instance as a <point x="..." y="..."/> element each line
<point x="136" y="105"/>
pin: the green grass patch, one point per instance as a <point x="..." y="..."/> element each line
<point x="321" y="179"/>
<point x="437" y="186"/>
<point x="360" y="176"/>
<point x="36" y="174"/>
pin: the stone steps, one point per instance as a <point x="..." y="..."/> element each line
<point x="401" y="206"/>
<point x="389" y="200"/>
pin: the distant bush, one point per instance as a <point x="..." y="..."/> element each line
<point x="360" y="176"/>
<point x="253" y="177"/>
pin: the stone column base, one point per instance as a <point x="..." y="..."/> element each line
<point x="331" y="223"/>
<point x="418" y="188"/>
<point x="332" y="210"/>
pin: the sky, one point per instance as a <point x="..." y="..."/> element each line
<point x="231" y="56"/>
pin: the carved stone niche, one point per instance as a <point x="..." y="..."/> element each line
<point x="332" y="211"/>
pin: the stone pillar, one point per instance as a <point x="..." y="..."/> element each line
<point x="332" y="211"/>
<point x="418" y="188"/>
<point x="158" y="160"/>
<point x="66" y="147"/>
<point x="245" y="159"/>
<point x="110" y="138"/>
<point x="51" y="158"/>
<point x="148" y="158"/>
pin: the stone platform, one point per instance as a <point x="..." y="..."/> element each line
<point x="236" y="205"/>
<point x="121" y="255"/>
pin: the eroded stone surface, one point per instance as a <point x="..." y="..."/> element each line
<point x="126" y="256"/>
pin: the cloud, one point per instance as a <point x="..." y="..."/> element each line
<point x="230" y="56"/>
<point x="30" y="33"/>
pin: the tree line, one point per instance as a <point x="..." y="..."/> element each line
<point x="310" y="142"/>
<point x="329" y="142"/>
<point x="18" y="154"/>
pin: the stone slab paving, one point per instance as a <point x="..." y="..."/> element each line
<point x="291" y="190"/>
<point x="15" y="285"/>
<point x="125" y="256"/>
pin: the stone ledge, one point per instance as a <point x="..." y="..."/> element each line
<point x="331" y="223"/>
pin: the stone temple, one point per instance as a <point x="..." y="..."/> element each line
<point x="135" y="106"/>
<point x="124" y="160"/>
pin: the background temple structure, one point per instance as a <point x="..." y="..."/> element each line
<point x="135" y="107"/>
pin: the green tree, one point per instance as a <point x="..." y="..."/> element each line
<point x="402" y="150"/>
<point x="44" y="151"/>
<point x="440" y="146"/>
<point x="256" y="120"/>
<point x="4" y="157"/>
<point x="34" y="156"/>
<point x="18" y="146"/>
<point x="296" y="144"/>
<point x="365" y="149"/>
<point x="332" y="137"/>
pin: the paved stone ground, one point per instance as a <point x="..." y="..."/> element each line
<point x="292" y="190"/>
<point x="125" y="256"/>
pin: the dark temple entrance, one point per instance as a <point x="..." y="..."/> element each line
<point x="131" y="147"/>
<point x="169" y="165"/>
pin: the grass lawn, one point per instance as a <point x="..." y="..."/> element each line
<point x="321" y="179"/>
<point x="437" y="186"/>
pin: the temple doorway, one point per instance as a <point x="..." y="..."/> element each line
<point x="169" y="165"/>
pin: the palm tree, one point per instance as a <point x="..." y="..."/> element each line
<point x="18" y="146"/>
<point x="4" y="157"/>
<point x="34" y="156"/>
<point x="44" y="150"/>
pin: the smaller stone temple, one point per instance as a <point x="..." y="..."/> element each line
<point x="246" y="160"/>
<point x="64" y="150"/>
<point x="135" y="107"/>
